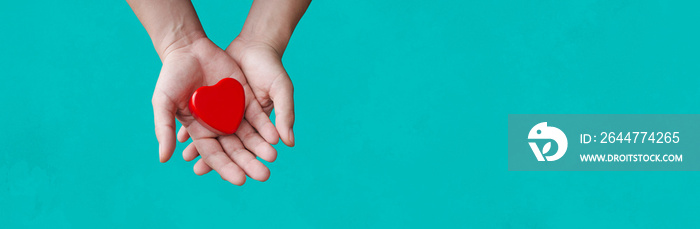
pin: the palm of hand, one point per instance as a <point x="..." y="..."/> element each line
<point x="186" y="69"/>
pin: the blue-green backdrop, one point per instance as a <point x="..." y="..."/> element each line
<point x="401" y="116"/>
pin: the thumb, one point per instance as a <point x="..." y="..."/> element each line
<point x="282" y="95"/>
<point x="164" y="118"/>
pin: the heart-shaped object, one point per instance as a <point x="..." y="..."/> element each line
<point x="220" y="107"/>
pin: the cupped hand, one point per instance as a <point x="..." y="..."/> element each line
<point x="202" y="63"/>
<point x="272" y="87"/>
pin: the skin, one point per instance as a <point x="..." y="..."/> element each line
<point x="191" y="60"/>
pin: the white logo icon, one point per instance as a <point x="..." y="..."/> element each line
<point x="542" y="131"/>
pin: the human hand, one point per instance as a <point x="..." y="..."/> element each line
<point x="258" y="50"/>
<point x="202" y="63"/>
<point x="262" y="65"/>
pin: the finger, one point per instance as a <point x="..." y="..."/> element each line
<point x="214" y="156"/>
<point x="190" y="152"/>
<point x="255" y="143"/>
<point x="183" y="135"/>
<point x="164" y="119"/>
<point x="282" y="95"/>
<point x="261" y="122"/>
<point x="201" y="168"/>
<point x="243" y="158"/>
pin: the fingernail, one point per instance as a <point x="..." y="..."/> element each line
<point x="291" y="136"/>
<point x="160" y="153"/>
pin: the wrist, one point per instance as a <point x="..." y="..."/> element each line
<point x="175" y="40"/>
<point x="273" y="21"/>
<point x="270" y="35"/>
<point x="170" y="24"/>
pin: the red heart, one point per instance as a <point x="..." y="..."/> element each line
<point x="220" y="107"/>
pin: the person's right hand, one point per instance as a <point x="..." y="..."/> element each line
<point x="202" y="63"/>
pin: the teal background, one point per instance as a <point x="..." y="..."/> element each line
<point x="401" y="116"/>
